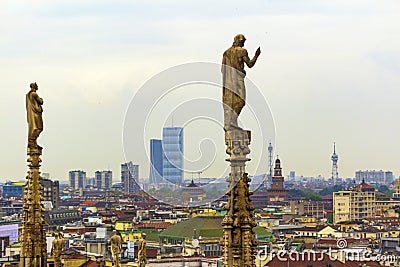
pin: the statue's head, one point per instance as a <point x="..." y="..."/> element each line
<point x="144" y="235"/>
<point x="34" y="86"/>
<point x="239" y="40"/>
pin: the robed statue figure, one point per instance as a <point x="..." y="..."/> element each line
<point x="116" y="246"/>
<point x="57" y="247"/>
<point x="142" y="258"/>
<point x="34" y="115"/>
<point x="233" y="74"/>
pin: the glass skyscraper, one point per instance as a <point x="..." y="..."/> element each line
<point x="172" y="145"/>
<point x="156" y="161"/>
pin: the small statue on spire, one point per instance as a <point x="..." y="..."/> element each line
<point x="34" y="115"/>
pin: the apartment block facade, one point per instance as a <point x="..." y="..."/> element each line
<point x="354" y="204"/>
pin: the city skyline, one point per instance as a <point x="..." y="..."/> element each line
<point x="328" y="71"/>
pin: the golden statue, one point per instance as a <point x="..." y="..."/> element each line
<point x="116" y="245"/>
<point x="233" y="74"/>
<point x="57" y="247"/>
<point x="142" y="259"/>
<point x="33" y="233"/>
<point x="34" y="115"/>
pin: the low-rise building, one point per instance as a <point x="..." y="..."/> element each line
<point x="13" y="190"/>
<point x="316" y="232"/>
<point x="307" y="207"/>
<point x="8" y="235"/>
<point x="354" y="204"/>
<point x="58" y="217"/>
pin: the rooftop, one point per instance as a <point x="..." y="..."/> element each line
<point x="205" y="226"/>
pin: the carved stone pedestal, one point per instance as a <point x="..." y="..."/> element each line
<point x="239" y="242"/>
<point x="33" y="238"/>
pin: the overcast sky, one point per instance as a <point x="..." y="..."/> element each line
<point x="328" y="69"/>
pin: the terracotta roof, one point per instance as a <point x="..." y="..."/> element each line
<point x="308" y="245"/>
<point x="125" y="215"/>
<point x="89" y="202"/>
<point x="79" y="230"/>
<point x="370" y="229"/>
<point x="263" y="213"/>
<point x="90" y="263"/>
<point x="328" y="197"/>
<point x="150" y="252"/>
<point x="362" y="263"/>
<point x="332" y="242"/>
<point x="365" y="187"/>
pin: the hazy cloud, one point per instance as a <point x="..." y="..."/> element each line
<point x="328" y="69"/>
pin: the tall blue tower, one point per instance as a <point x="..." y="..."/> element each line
<point x="172" y="145"/>
<point x="335" y="157"/>
<point x="156" y="161"/>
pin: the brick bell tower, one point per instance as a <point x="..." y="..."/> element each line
<point x="277" y="193"/>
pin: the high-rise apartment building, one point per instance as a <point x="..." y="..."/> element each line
<point x="354" y="204"/>
<point x="77" y="179"/>
<point x="172" y="145"/>
<point x="103" y="179"/>
<point x="130" y="177"/>
<point x="156" y="162"/>
<point x="51" y="192"/>
<point x="45" y="175"/>
<point x="91" y="182"/>
<point x="375" y="177"/>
